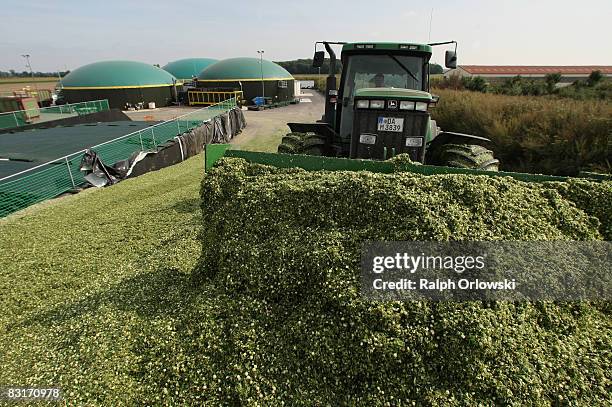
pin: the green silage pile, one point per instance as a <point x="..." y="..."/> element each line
<point x="285" y="321"/>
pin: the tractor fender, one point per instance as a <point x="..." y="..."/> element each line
<point x="448" y="137"/>
<point x="322" y="129"/>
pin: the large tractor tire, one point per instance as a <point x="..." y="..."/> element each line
<point x="302" y="143"/>
<point x="470" y="156"/>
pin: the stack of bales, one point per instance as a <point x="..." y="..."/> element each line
<point x="121" y="82"/>
<point x="248" y="75"/>
<point x="188" y="68"/>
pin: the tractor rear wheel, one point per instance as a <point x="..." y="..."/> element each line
<point x="302" y="143"/>
<point x="467" y="156"/>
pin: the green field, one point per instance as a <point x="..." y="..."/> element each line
<point x="81" y="294"/>
<point x="533" y="134"/>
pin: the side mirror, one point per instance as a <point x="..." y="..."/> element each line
<point x="317" y="60"/>
<point x="450" y="59"/>
<point x="434" y="100"/>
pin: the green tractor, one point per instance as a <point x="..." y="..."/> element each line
<point x="381" y="109"/>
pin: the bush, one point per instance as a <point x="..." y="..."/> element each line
<point x="582" y="90"/>
<point x="477" y="84"/>
<point x="551" y="81"/>
<point x="594" y="78"/>
<point x="538" y="135"/>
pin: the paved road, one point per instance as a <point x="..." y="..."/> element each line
<point x="265" y="128"/>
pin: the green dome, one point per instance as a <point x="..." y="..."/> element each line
<point x="117" y="74"/>
<point x="189" y="67"/>
<point x="243" y="69"/>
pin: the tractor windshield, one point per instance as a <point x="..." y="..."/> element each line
<point x="383" y="71"/>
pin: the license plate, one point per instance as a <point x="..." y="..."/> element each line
<point x="390" y="124"/>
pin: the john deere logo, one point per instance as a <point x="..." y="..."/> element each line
<point x="393" y="104"/>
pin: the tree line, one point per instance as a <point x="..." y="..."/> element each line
<point x="11" y="73"/>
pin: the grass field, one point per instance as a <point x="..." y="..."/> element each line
<point x="265" y="142"/>
<point x="533" y="133"/>
<point x="11" y="84"/>
<point x="77" y="292"/>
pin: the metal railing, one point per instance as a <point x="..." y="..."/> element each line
<point x="62" y="175"/>
<point x="20" y="118"/>
<point x="204" y="97"/>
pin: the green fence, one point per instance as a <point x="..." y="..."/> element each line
<point x="62" y="175"/>
<point x="23" y="117"/>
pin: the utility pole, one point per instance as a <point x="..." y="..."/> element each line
<point x="261" y="52"/>
<point x="59" y="76"/>
<point x="27" y="57"/>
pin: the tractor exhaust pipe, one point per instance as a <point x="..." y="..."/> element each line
<point x="331" y="90"/>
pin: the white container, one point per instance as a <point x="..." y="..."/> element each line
<point x="151" y="105"/>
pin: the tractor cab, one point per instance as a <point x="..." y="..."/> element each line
<point x="383" y="100"/>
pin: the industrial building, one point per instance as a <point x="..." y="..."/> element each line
<point x="189" y="68"/>
<point x="249" y="76"/>
<point x="121" y="83"/>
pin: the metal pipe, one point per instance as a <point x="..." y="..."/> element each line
<point x="263" y="95"/>
<point x="330" y="87"/>
<point x="70" y="173"/>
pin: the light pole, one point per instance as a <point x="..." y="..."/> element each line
<point x="261" y="52"/>
<point x="27" y="57"/>
<point x="59" y="76"/>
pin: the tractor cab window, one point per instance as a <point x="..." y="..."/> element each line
<point x="383" y="71"/>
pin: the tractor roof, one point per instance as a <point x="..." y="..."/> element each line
<point x="395" y="93"/>
<point x="353" y="46"/>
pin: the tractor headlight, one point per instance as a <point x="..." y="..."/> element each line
<point x="414" y="142"/>
<point x="363" y="104"/>
<point x="367" y="139"/>
<point x="377" y="104"/>
<point x="406" y="105"/>
<point x="422" y="106"/>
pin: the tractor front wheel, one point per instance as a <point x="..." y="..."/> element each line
<point x="470" y="156"/>
<point x="302" y="143"/>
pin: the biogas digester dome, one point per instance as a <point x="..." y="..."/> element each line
<point x="186" y="69"/>
<point x="246" y="74"/>
<point x="120" y="82"/>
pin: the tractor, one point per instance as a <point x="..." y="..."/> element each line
<point x="381" y="109"/>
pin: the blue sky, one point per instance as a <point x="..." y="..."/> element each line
<point x="67" y="34"/>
